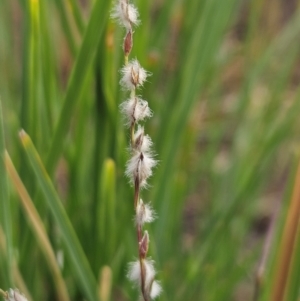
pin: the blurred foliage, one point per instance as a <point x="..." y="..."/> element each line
<point x="224" y="91"/>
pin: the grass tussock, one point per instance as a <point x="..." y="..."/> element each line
<point x="225" y="92"/>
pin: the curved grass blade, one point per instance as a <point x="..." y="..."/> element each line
<point x="38" y="228"/>
<point x="77" y="257"/>
<point x="293" y="288"/>
<point x="288" y="242"/>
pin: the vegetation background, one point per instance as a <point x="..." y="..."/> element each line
<point x="225" y="95"/>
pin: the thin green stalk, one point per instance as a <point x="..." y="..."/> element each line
<point x="77" y="16"/>
<point x="66" y="26"/>
<point x="48" y="69"/>
<point x="77" y="257"/>
<point x="33" y="112"/>
<point x="106" y="209"/>
<point x="100" y="151"/>
<point x="5" y="206"/>
<point x="78" y="77"/>
<point x="25" y="66"/>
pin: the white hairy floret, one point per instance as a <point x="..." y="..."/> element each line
<point x="134" y="272"/>
<point x="135" y="109"/>
<point x="155" y="290"/>
<point x="139" y="167"/>
<point x="144" y="213"/>
<point x="126" y="14"/>
<point x="142" y="142"/>
<point x="152" y="288"/>
<point x="133" y="75"/>
<point x="14" y="295"/>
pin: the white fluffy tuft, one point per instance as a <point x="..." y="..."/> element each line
<point x="142" y="142"/>
<point x="133" y="75"/>
<point x="140" y="167"/>
<point x="144" y="213"/>
<point x="134" y="110"/>
<point x="155" y="290"/>
<point x="134" y="272"/>
<point x="126" y="14"/>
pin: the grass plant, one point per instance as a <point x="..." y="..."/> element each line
<point x="225" y="92"/>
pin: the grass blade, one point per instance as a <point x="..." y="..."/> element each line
<point x="61" y="5"/>
<point x="77" y="15"/>
<point x="78" y="259"/>
<point x="4" y="205"/>
<point x="106" y="219"/>
<point x="287" y="243"/>
<point x="38" y="228"/>
<point x="293" y="290"/>
<point x="78" y="78"/>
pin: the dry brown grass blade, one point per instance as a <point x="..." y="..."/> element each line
<point x="287" y="243"/>
<point x="38" y="228"/>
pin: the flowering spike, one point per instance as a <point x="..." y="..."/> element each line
<point x="139" y="166"/>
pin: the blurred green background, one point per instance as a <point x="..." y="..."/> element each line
<point x="225" y="96"/>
